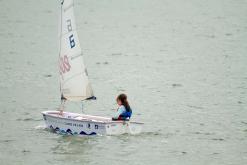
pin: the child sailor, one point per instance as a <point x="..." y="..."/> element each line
<point x="124" y="111"/>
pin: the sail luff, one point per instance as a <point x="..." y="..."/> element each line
<point x="59" y="36"/>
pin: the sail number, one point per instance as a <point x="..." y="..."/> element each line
<point x="64" y="64"/>
<point x="71" y="41"/>
<point x="71" y="37"/>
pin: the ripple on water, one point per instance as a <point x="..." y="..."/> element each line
<point x="28" y="119"/>
<point x="156" y="134"/>
<point x="218" y="139"/>
<point x="176" y="85"/>
<point x="243" y="122"/>
<point x="203" y="133"/>
<point x="25" y="151"/>
<point x="195" y="107"/>
<point x="228" y="34"/>
<point x="151" y="133"/>
<point x="215" y="153"/>
<point x="116" y="54"/>
<point x="178" y="152"/>
<point x="48" y="75"/>
<point x="7" y="141"/>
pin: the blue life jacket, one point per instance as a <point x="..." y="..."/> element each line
<point x="126" y="114"/>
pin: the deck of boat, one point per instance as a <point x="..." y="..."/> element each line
<point x="82" y="117"/>
<point x="76" y="116"/>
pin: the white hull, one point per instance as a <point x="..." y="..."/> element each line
<point x="81" y="124"/>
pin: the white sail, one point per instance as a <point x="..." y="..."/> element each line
<point x="74" y="81"/>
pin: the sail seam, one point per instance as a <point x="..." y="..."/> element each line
<point x="75" y="75"/>
<point x="76" y="56"/>
<point x="67" y="8"/>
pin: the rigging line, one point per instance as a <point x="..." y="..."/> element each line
<point x="77" y="104"/>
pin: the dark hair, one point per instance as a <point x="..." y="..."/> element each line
<point x="123" y="98"/>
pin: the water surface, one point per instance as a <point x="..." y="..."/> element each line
<point x="183" y="65"/>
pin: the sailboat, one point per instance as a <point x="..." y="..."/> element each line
<point x="75" y="87"/>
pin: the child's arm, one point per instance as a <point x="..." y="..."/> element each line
<point x="119" y="112"/>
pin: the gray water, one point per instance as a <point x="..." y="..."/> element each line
<point x="183" y="65"/>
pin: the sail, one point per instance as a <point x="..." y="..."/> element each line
<point x="74" y="82"/>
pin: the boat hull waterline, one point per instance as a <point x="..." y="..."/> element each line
<point x="81" y="124"/>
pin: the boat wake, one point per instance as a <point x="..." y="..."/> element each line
<point x="40" y="127"/>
